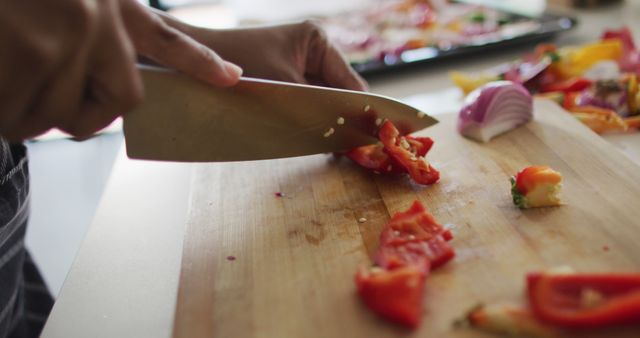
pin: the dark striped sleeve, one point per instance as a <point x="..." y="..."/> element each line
<point x="14" y="208"/>
<point x="24" y="299"/>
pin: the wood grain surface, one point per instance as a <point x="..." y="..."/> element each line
<point x="258" y="265"/>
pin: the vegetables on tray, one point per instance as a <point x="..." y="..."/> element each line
<point x="585" y="300"/>
<point x="411" y="244"/>
<point x="536" y="186"/>
<point x="583" y="79"/>
<point x="493" y="109"/>
<point x="384" y="30"/>
<point x="397" y="154"/>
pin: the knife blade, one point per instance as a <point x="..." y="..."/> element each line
<point x="185" y="120"/>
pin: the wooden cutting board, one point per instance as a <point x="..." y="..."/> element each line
<point x="258" y="265"/>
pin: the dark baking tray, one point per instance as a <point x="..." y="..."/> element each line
<point x="550" y="25"/>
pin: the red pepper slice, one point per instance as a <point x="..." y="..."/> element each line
<point x="569" y="100"/>
<point x="411" y="158"/>
<point x="585" y="300"/>
<point x="567" y="86"/>
<point x="374" y="156"/>
<point x="392" y="257"/>
<point x="414" y="233"/>
<point x="410" y="244"/>
<point x="394" y="294"/>
<point x="529" y="177"/>
<point x="436" y="251"/>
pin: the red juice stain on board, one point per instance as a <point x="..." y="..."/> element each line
<point x="231" y="258"/>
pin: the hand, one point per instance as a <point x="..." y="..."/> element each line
<point x="71" y="63"/>
<point x="298" y="52"/>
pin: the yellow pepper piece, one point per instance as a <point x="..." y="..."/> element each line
<point x="574" y="61"/>
<point x="468" y="83"/>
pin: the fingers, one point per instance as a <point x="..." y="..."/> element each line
<point x="45" y="64"/>
<point x="326" y="63"/>
<point x="338" y="73"/>
<point x="156" y="40"/>
<point x="60" y="98"/>
<point x="112" y="85"/>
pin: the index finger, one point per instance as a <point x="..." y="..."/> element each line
<point x="170" y="47"/>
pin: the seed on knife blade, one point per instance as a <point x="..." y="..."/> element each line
<point x="421" y="114"/>
<point x="329" y="132"/>
<point x="378" y="121"/>
<point x="367" y="108"/>
<point x="340" y="120"/>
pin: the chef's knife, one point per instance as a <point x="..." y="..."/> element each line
<point x="186" y="120"/>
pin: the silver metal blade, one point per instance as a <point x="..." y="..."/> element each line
<point x="188" y="121"/>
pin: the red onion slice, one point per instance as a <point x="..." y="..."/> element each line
<point x="493" y="109"/>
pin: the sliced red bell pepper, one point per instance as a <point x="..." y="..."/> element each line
<point x="411" y="158"/>
<point x="436" y="250"/>
<point x="414" y="233"/>
<point x="567" y="86"/>
<point x="394" y="294"/>
<point x="569" y="100"/>
<point x="393" y="257"/>
<point x="527" y="178"/>
<point x="585" y="300"/>
<point x="409" y="244"/>
<point x="374" y="157"/>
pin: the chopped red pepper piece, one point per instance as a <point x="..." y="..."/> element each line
<point x="394" y="294"/>
<point x="410" y="244"/>
<point x="392" y="257"/>
<point x="375" y="158"/>
<point x="567" y="86"/>
<point x="414" y="232"/>
<point x="412" y="158"/>
<point x="569" y="100"/>
<point x="585" y="300"/>
<point x="529" y="177"/>
<point x="436" y="251"/>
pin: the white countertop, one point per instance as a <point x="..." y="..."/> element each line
<point x="124" y="280"/>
